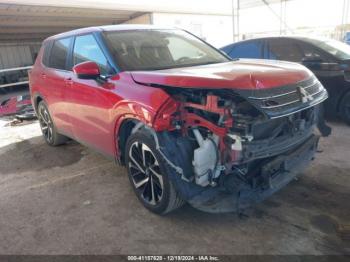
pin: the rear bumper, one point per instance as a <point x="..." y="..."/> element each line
<point x="276" y="174"/>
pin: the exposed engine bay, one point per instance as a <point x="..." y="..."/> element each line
<point x="240" y="139"/>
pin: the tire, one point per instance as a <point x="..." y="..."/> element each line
<point x="345" y="108"/>
<point x="148" y="174"/>
<point x="48" y="129"/>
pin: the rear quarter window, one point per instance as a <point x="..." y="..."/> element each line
<point x="46" y="53"/>
<point x="59" y="53"/>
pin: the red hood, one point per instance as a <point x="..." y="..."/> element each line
<point x="241" y="74"/>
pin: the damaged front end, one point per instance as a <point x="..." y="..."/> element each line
<point x="228" y="149"/>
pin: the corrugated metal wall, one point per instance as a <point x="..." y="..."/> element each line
<point x="142" y="19"/>
<point x="17" y="54"/>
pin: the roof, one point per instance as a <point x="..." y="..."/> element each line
<point x="298" y="37"/>
<point x="107" y="28"/>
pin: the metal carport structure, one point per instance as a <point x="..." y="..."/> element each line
<point x="238" y="5"/>
<point x="36" y="19"/>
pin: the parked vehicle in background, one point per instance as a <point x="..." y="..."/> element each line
<point x="328" y="59"/>
<point x="189" y="124"/>
<point x="347" y="38"/>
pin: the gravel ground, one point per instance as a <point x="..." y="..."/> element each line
<point x="71" y="200"/>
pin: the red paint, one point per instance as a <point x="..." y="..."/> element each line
<point x="242" y="74"/>
<point x="87" y="69"/>
<point x="92" y="111"/>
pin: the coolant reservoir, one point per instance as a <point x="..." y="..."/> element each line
<point x="204" y="159"/>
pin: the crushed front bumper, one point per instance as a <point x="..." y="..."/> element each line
<point x="276" y="174"/>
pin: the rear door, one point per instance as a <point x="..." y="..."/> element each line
<point x="284" y="49"/>
<point x="53" y="82"/>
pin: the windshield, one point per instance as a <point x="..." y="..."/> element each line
<point x="160" y="49"/>
<point x="334" y="47"/>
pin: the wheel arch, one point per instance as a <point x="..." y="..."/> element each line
<point x="37" y="98"/>
<point x="123" y="129"/>
<point x="135" y="113"/>
<point x="343" y="111"/>
<point x="341" y="100"/>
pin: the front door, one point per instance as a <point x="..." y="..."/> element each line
<point x="90" y="102"/>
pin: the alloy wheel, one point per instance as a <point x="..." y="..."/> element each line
<point x="145" y="173"/>
<point x="46" y="124"/>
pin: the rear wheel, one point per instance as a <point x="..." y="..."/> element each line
<point x="149" y="175"/>
<point x="48" y="129"/>
<point x="345" y="108"/>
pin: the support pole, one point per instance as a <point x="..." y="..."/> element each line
<point x="282" y="21"/>
<point x="233" y="22"/>
<point x="235" y="19"/>
<point x="344" y="19"/>
<point x="238" y="9"/>
<point x="281" y="12"/>
<point x="283" y="16"/>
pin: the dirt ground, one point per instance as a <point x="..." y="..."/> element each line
<point x="71" y="200"/>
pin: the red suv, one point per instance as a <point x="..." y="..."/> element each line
<point x="189" y="124"/>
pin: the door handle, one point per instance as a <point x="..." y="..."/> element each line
<point x="68" y="81"/>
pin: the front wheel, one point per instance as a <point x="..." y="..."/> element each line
<point x="345" y="108"/>
<point x="148" y="174"/>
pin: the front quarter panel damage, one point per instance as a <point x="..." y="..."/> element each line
<point x="227" y="149"/>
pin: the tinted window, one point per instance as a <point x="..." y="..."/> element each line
<point x="333" y="47"/>
<point x="59" y="52"/>
<point x="311" y="52"/>
<point x="87" y="49"/>
<point x="283" y="49"/>
<point x="347" y="36"/>
<point x="250" y="49"/>
<point x="46" y="54"/>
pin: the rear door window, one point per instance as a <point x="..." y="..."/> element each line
<point x="310" y="52"/>
<point x="59" y="53"/>
<point x="85" y="49"/>
<point x="249" y="49"/>
<point x="285" y="49"/>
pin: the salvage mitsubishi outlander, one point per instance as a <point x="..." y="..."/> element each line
<point x="190" y="124"/>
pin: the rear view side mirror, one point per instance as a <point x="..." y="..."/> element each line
<point x="87" y="70"/>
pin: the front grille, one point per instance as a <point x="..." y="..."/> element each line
<point x="290" y="96"/>
<point x="279" y="101"/>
